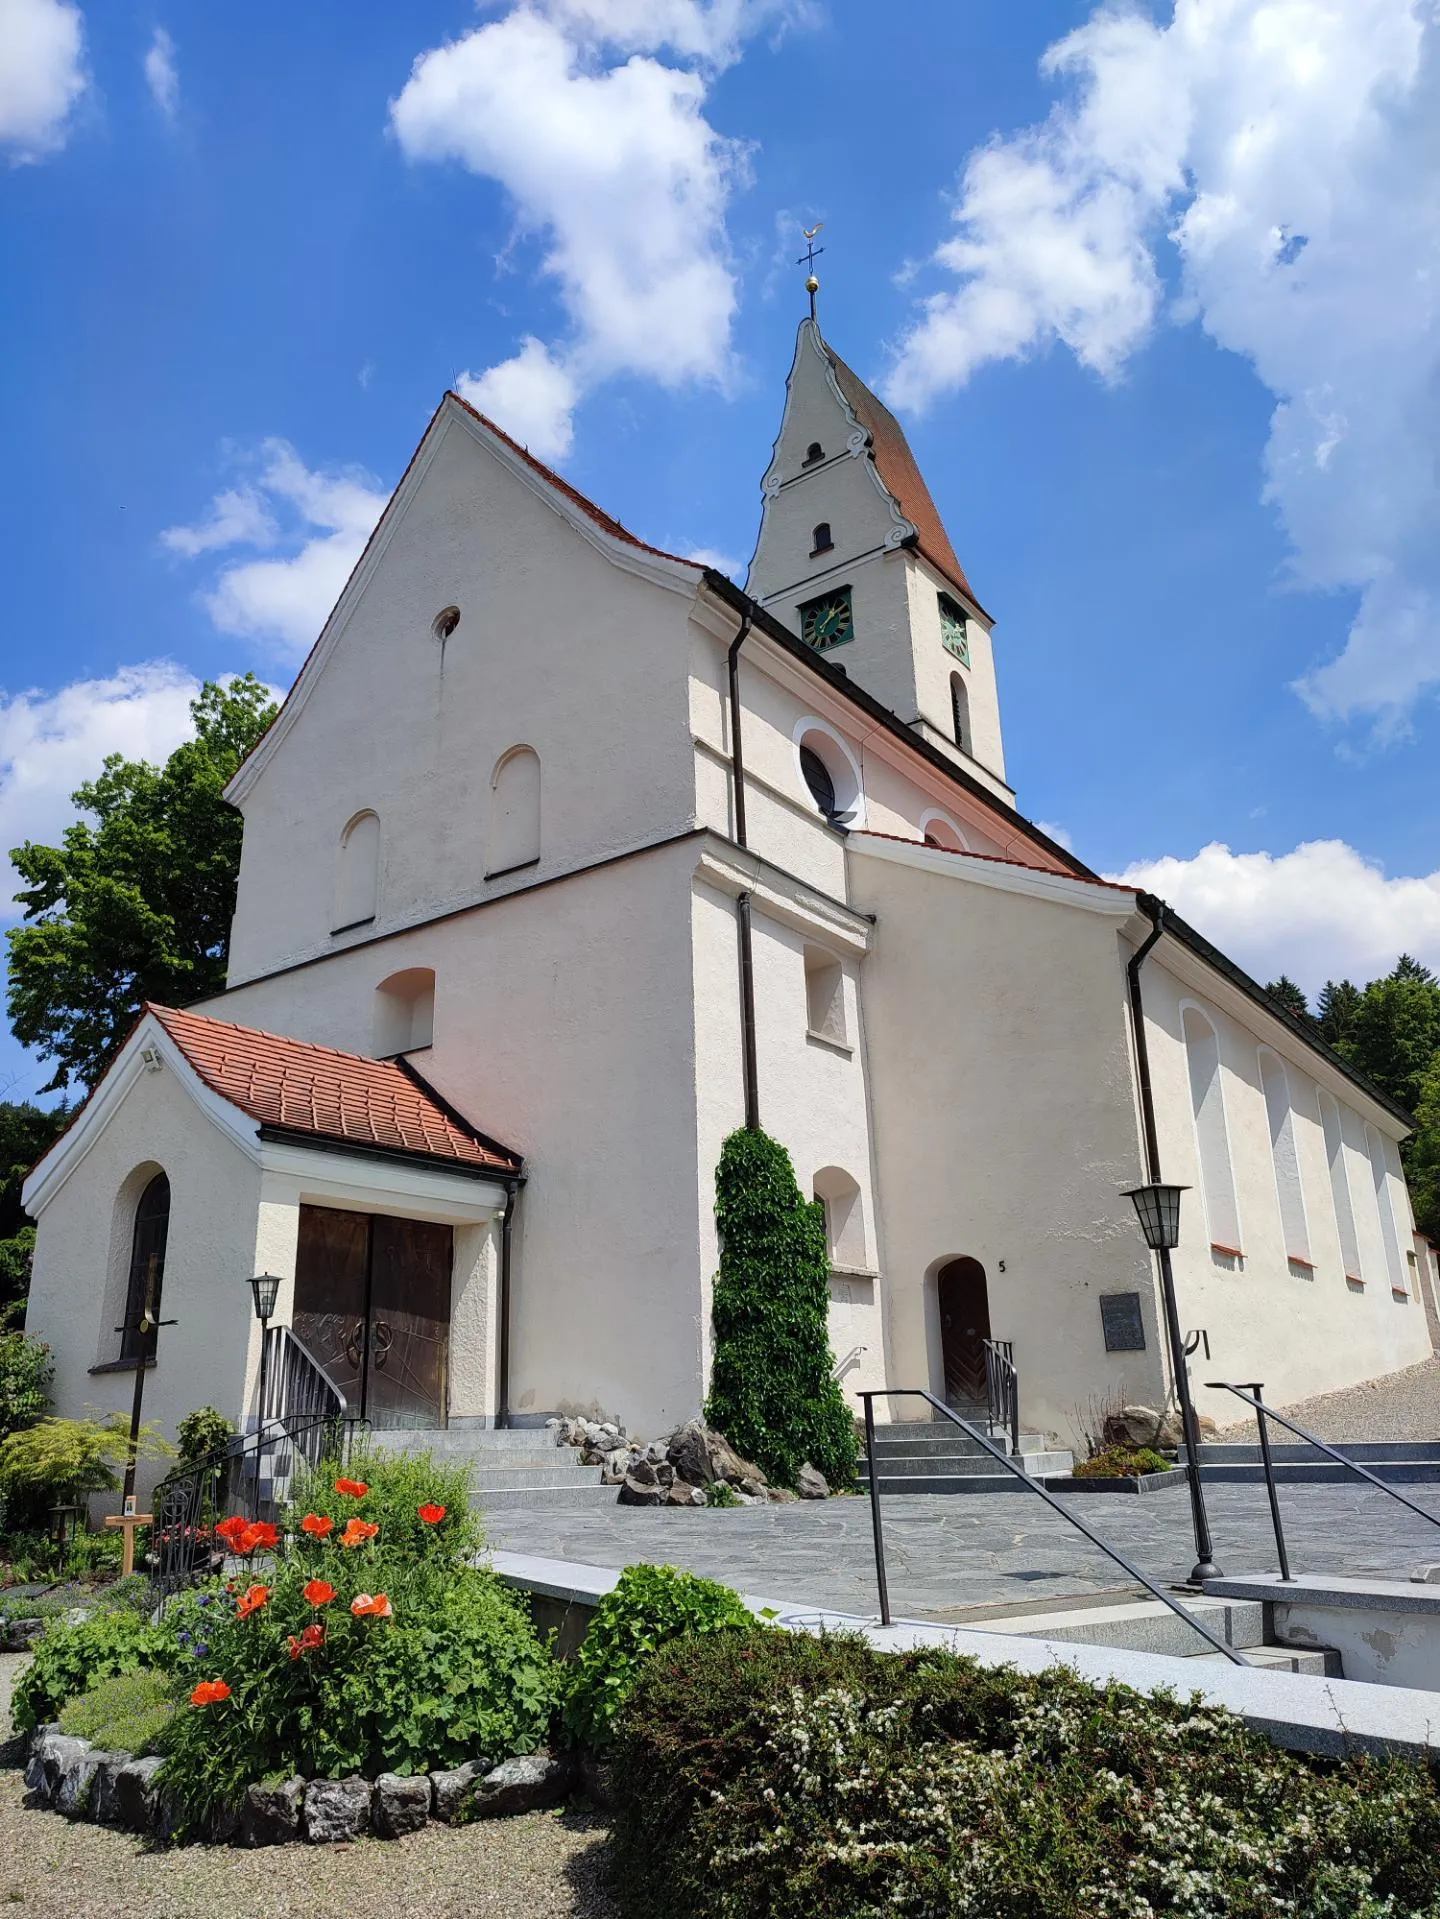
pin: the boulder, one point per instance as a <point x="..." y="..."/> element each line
<point x="135" y="1794"/>
<point x="336" y="1810"/>
<point x="682" y="1495"/>
<point x="453" y="1792"/>
<point x="1142" y="1426"/>
<point x="530" y="1784"/>
<point x="106" y="1803"/>
<point x="811" y="1483"/>
<point x="635" y="1492"/>
<point x="52" y="1754"/>
<point x="753" y="1489"/>
<point x="76" y="1794"/>
<point x="664" y="1472"/>
<point x="780" y="1496"/>
<point x="700" y="1455"/>
<point x="728" y="1464"/>
<point x="270" y="1813"/>
<point x="399" y="1805"/>
<point x="607" y="1440"/>
<point x="658" y="1451"/>
<point x="222" y="1827"/>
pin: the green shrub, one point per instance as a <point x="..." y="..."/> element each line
<point x="125" y="1714"/>
<point x="398" y="1485"/>
<point x="781" y="1776"/>
<point x="1122" y="1462"/>
<point x="70" y="1659"/>
<point x="61" y="1462"/>
<point x="26" y="1371"/>
<point x="201" y="1433"/>
<point x="718" y="1493"/>
<point x="650" y="1606"/>
<point x="772" y="1387"/>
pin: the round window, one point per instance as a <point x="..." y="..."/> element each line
<point x="817" y="778"/>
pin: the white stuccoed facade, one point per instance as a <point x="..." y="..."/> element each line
<point x="536" y="805"/>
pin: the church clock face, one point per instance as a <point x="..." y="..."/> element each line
<point x="828" y="621"/>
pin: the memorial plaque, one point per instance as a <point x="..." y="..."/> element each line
<point x="1124" y="1327"/>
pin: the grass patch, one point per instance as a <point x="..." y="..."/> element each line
<point x="124" y="1714"/>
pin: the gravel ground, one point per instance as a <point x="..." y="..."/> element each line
<point x="1399" y="1406"/>
<point x="542" y="1866"/>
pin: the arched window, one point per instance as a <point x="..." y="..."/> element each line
<point x="831" y="773"/>
<point x="357" y="874"/>
<point x="817" y="778"/>
<point x="147" y="1269"/>
<point x="1385" y="1207"/>
<point x="814" y="452"/>
<point x="405" y="1011"/>
<point x="1280" y="1110"/>
<point x="960" y="711"/>
<point x="844" y="1217"/>
<point x="1212" y="1137"/>
<point x="1340" y="1185"/>
<point x="939" y="831"/>
<point x="820" y="540"/>
<point x="514" y="836"/>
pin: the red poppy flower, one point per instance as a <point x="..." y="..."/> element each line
<point x="370" y="1606"/>
<point x="357" y="1531"/>
<point x="317" y="1525"/>
<point x="432" y="1515"/>
<point x="319" y="1592"/>
<point x="209" y="1692"/>
<point x="312" y="1637"/>
<point x="356" y="1488"/>
<point x="228" y="1528"/>
<point x="252" y="1601"/>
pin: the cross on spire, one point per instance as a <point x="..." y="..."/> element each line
<point x="808" y="259"/>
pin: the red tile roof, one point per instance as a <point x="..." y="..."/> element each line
<point x="299" y="1088"/>
<point x="896" y="466"/>
<point x="995" y="859"/>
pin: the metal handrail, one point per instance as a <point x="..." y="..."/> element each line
<point x="1002" y="1389"/>
<point x="919" y="1392"/>
<point x="297" y="1383"/>
<point x="1251" y="1396"/>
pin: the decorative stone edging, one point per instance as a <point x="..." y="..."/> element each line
<point x="73" y="1777"/>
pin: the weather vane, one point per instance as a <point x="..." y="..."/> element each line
<point x="808" y="259"/>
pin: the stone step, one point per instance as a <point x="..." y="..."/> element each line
<point x="507" y="1498"/>
<point x="996" y="1481"/>
<point x="510" y="1473"/>
<point x="939" y="1434"/>
<point x="1316" y="1662"/>
<point x="465" y="1439"/>
<point x="1319" y="1471"/>
<point x="1142" y="1625"/>
<point x="951" y="1464"/>
<point x="1367" y="1452"/>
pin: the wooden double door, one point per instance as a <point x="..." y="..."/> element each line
<point x="372" y="1304"/>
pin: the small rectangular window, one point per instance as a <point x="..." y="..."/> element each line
<point x="1123" y="1323"/>
<point x="828" y="621"/>
<point x="954" y="634"/>
<point x="825" y="996"/>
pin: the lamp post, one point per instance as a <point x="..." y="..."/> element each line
<point x="1157" y="1206"/>
<point x="265" y="1287"/>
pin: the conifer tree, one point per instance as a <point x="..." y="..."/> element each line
<point x="1290" y="995"/>
<point x="773" y="1392"/>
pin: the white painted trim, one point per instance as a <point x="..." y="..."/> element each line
<point x="780" y="897"/>
<point x="981" y="870"/>
<point x="676" y="576"/>
<point x="812" y="723"/>
<point x="312" y="1176"/>
<point x="1206" y="1013"/>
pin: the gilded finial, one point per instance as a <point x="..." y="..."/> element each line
<point x="807" y="259"/>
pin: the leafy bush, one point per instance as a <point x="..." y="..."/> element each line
<point x="780" y="1776"/>
<point x="719" y="1493"/>
<point x="356" y="1652"/>
<point x="650" y="1606"/>
<point x="397" y="1486"/>
<point x="61" y="1461"/>
<point x="70" y="1659"/>
<point x="772" y="1387"/>
<point x="1121" y="1462"/>
<point x="26" y="1371"/>
<point x="124" y="1714"/>
<point x="202" y="1432"/>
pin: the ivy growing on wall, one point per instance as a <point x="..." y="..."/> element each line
<point x="772" y="1387"/>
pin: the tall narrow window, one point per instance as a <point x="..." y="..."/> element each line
<point x="820" y="540"/>
<point x="844" y="1217"/>
<point x="357" y="876"/>
<point x="147" y="1269"/>
<point x="960" y="711"/>
<point x="1340" y="1185"/>
<point x="1385" y="1207"/>
<point x="405" y="1012"/>
<point x="824" y="996"/>
<point x="1212" y="1138"/>
<point x="513" y="839"/>
<point x="1280" y="1111"/>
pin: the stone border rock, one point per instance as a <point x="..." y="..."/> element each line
<point x="679" y="1469"/>
<point x="72" y="1777"/>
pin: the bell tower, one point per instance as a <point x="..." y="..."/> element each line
<point x="853" y="556"/>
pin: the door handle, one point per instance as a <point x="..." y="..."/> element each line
<point x="381" y="1340"/>
<point x="355" y="1344"/>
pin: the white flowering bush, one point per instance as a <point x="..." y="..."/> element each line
<point x="782" y="1777"/>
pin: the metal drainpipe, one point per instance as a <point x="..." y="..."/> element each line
<point x="1205" y="1567"/>
<point x="502" y="1384"/>
<point x="742" y="904"/>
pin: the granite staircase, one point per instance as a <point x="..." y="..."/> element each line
<point x="519" y="1467"/>
<point x="932" y="1456"/>
<point x="1136" y="1623"/>
<point x="1401" y="1462"/>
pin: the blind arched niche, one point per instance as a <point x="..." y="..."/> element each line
<point x="513" y="835"/>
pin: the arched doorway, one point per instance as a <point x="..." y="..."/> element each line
<point x="964" y="1328"/>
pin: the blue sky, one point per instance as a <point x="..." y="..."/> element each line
<point x="1153" y="289"/>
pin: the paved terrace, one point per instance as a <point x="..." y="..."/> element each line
<point x="946" y="1555"/>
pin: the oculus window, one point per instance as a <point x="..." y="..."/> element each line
<point x="829" y="621"/>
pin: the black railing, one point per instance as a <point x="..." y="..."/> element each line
<point x="297" y="1386"/>
<point x="1002" y="1391"/>
<point x="251" y="1477"/>
<point x="1073" y="1519"/>
<point x="1251" y="1396"/>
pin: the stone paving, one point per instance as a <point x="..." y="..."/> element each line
<point x="991" y="1550"/>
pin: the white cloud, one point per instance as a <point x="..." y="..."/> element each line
<point x="1320" y="912"/>
<point x="1282" y="153"/>
<point x="322" y="518"/>
<point x="532" y="396"/>
<point x="612" y="160"/>
<point x="161" y="74"/>
<point x="42" y="74"/>
<point x="51" y="742"/>
<point x="726" y="563"/>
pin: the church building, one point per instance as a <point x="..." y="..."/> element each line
<point x="565" y="857"/>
